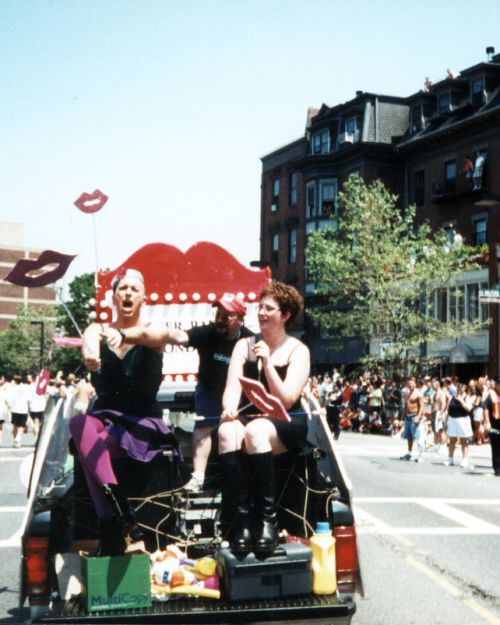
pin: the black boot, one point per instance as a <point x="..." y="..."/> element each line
<point x="235" y="501"/>
<point x="123" y="512"/>
<point x="112" y="538"/>
<point x="265" y="518"/>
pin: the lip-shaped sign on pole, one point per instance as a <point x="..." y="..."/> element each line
<point x="91" y="202"/>
<point x="42" y="267"/>
<point x="42" y="382"/>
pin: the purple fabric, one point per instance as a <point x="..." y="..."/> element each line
<point x="106" y="434"/>
<point x="96" y="447"/>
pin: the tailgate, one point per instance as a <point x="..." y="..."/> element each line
<point x="314" y="609"/>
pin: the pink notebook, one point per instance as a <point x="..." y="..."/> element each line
<point x="263" y="400"/>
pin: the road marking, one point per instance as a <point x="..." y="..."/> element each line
<point x="13" y="541"/>
<point x="454" y="591"/>
<point x="471" y="525"/>
<point x="12" y="509"/>
<point x="10" y="459"/>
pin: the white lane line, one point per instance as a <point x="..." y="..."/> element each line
<point x="424" y="500"/>
<point x="13" y="541"/>
<point x="12" y="509"/>
<point x="368" y="523"/>
<point x="458" y="516"/>
<point x="10" y="459"/>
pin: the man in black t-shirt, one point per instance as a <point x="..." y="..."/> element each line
<point x="214" y="343"/>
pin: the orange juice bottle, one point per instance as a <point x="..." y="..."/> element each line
<point x="323" y="560"/>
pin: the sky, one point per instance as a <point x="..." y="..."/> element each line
<point x="167" y="106"/>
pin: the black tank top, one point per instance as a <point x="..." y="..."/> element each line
<point x="250" y="370"/>
<point x="129" y="384"/>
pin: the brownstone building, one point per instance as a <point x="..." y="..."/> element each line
<point x="418" y="147"/>
<point x="11" y="297"/>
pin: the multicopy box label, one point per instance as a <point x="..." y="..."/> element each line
<point x="122" y="599"/>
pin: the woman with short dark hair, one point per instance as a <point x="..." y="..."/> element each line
<point x="282" y="363"/>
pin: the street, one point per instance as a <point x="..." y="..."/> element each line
<point x="429" y="535"/>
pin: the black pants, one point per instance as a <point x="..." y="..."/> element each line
<point x="333" y="419"/>
<point x="495" y="452"/>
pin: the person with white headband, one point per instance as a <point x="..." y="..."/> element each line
<point x="125" y="418"/>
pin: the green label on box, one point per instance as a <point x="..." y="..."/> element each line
<point x="120" y="582"/>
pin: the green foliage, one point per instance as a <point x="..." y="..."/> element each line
<point x="81" y="290"/>
<point x="20" y="344"/>
<point x="375" y="268"/>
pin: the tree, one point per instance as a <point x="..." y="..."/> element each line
<point x="81" y="291"/>
<point x="375" y="271"/>
<point x="21" y="343"/>
<point x="75" y="310"/>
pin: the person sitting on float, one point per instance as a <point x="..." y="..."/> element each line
<point x="125" y="419"/>
<point x="282" y="364"/>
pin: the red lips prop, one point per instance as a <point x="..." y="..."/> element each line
<point x="21" y="270"/>
<point x="42" y="382"/>
<point x="264" y="401"/>
<point x="91" y="202"/>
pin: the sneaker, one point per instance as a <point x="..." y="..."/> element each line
<point x="449" y="462"/>
<point x="194" y="485"/>
<point x="419" y="458"/>
<point x="466" y="465"/>
<point x="16" y="444"/>
<point x="406" y="457"/>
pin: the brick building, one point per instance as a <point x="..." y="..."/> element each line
<point x="11" y="297"/>
<point x="417" y="146"/>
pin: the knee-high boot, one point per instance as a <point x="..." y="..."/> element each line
<point x="236" y="501"/>
<point x="123" y="511"/>
<point x="265" y="518"/>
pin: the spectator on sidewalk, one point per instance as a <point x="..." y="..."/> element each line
<point x="459" y="425"/>
<point x="413" y="412"/>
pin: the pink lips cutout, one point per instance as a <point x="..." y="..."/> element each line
<point x="91" y="202"/>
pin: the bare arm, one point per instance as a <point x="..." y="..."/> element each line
<point x="154" y="336"/>
<point x="91" y="351"/>
<point x="233" y="390"/>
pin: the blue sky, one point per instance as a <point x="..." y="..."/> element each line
<point x="167" y="106"/>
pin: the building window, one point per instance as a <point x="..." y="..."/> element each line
<point x="276" y="194"/>
<point x="416" y="118"/>
<point x="321" y="142"/>
<point x="294" y="178"/>
<point x="450" y="177"/>
<point x="292" y="246"/>
<point x="328" y="195"/>
<point x="477" y="91"/>
<point x="420" y="187"/>
<point x="444" y="103"/>
<point x="275" y="248"/>
<point x="351" y="127"/>
<point x="472" y="302"/>
<point x="310" y="200"/>
<point x="480" y="230"/>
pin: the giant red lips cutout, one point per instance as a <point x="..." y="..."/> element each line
<point x="91" y="202"/>
<point x="20" y="274"/>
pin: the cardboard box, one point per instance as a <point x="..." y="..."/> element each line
<point x="119" y="582"/>
<point x="285" y="573"/>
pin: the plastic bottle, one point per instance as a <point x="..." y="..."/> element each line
<point x="323" y="560"/>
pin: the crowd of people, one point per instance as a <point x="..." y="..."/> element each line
<point x="23" y="401"/>
<point x="434" y="413"/>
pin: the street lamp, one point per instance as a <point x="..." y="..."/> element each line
<point x="41" y="323"/>
<point x="260" y="264"/>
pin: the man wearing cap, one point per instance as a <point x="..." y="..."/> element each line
<point x="214" y="343"/>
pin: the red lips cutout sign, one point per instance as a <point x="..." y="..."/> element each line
<point x="91" y="202"/>
<point x="20" y="273"/>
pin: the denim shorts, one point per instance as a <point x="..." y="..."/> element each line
<point x="410" y="431"/>
<point x="208" y="405"/>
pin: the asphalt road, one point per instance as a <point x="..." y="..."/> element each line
<point x="429" y="535"/>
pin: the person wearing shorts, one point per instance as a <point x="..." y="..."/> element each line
<point x="17" y="401"/>
<point x="413" y="412"/>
